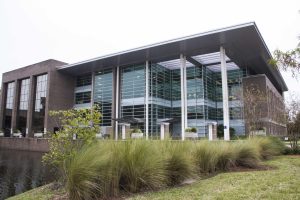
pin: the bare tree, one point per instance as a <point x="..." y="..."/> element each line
<point x="293" y="120"/>
<point x="254" y="99"/>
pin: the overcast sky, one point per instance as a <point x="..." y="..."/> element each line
<point x="33" y="30"/>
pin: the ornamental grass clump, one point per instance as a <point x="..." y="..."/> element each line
<point x="205" y="157"/>
<point x="268" y="146"/>
<point x="86" y="173"/>
<point x="247" y="154"/>
<point x="141" y="166"/>
<point x="226" y="156"/>
<point x="178" y="161"/>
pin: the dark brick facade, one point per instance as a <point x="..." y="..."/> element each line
<point x="60" y="92"/>
<point x="270" y="109"/>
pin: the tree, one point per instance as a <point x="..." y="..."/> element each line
<point x="253" y="101"/>
<point x="78" y="127"/>
<point x="293" y="121"/>
<point x="287" y="60"/>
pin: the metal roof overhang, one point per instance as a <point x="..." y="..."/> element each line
<point x="243" y="44"/>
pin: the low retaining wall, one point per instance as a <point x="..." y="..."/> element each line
<point x="26" y="144"/>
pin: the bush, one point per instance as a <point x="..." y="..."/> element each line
<point x="247" y="155"/>
<point x="226" y="156"/>
<point x="141" y="166"/>
<point x="178" y="162"/>
<point x="206" y="158"/>
<point x="268" y="146"/>
<point x="104" y="169"/>
<point x="86" y="174"/>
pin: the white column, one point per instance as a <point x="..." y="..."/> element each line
<point x="225" y="94"/>
<point x="123" y="131"/>
<point x="183" y="95"/>
<point x="162" y="131"/>
<point x="92" y="89"/>
<point x="147" y="99"/>
<point x="185" y="92"/>
<point x="117" y="102"/>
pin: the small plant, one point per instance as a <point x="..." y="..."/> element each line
<point x="191" y="130"/>
<point x="136" y="130"/>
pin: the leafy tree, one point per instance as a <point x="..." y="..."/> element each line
<point x="78" y="127"/>
<point x="288" y="60"/>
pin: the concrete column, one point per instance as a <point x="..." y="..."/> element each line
<point x="15" y="106"/>
<point x="92" y="89"/>
<point x="183" y="95"/>
<point x="225" y="94"/>
<point x="117" y="99"/>
<point x="31" y="102"/>
<point x="3" y="104"/>
<point x="162" y="131"/>
<point x="147" y="100"/>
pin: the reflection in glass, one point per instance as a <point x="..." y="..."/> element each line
<point x="40" y="103"/>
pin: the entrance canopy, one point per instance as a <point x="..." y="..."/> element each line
<point x="243" y="43"/>
<point x="130" y="120"/>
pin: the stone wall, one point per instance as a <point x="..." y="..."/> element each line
<point x="25" y="144"/>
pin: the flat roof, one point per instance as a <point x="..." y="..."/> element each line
<point x="243" y="44"/>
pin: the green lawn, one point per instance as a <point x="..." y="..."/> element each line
<point x="280" y="183"/>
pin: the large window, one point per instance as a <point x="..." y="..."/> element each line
<point x="9" y="107"/>
<point x="103" y="95"/>
<point x="24" y="94"/>
<point x="23" y="106"/>
<point x="82" y="97"/>
<point x="133" y="92"/>
<point x="40" y="103"/>
<point x="84" y="80"/>
<point x="10" y="95"/>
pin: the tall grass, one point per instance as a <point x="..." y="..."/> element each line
<point x="107" y="168"/>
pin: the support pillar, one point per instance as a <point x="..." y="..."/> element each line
<point x="31" y="102"/>
<point x="162" y="131"/>
<point x="147" y="100"/>
<point x="225" y="94"/>
<point x="117" y="92"/>
<point x="183" y="95"/>
<point x="3" y="105"/>
<point x="15" y="106"/>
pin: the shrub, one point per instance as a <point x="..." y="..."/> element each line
<point x="268" y="146"/>
<point x="178" y="161"/>
<point x="226" y="156"/>
<point x="206" y="158"/>
<point x="86" y="173"/>
<point x="141" y="166"/>
<point x="247" y="154"/>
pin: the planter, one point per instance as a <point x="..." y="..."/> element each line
<point x="137" y="135"/>
<point x="191" y="135"/>
<point x="17" y="134"/>
<point x="38" y="135"/>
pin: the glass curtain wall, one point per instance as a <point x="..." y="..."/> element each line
<point x="159" y="97"/>
<point x="103" y="89"/>
<point x="23" y="106"/>
<point x="235" y="99"/>
<point x="8" y="107"/>
<point x="195" y="99"/>
<point x="133" y="85"/>
<point x="40" y="103"/>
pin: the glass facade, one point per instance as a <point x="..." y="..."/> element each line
<point x="133" y="85"/>
<point x="204" y="96"/>
<point x="40" y="103"/>
<point x="103" y="90"/>
<point x="82" y="97"/>
<point x="23" y="106"/>
<point x="9" y="106"/>
<point x="84" y="80"/>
